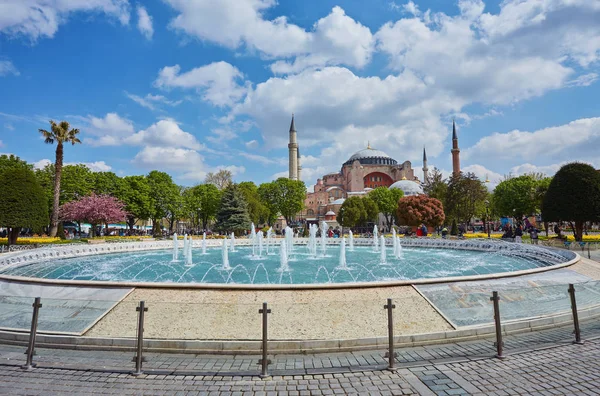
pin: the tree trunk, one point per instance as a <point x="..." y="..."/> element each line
<point x="130" y="222"/>
<point x="546" y="227"/>
<point x="57" y="175"/>
<point x="13" y="234"/>
<point x="578" y="231"/>
<point x="93" y="230"/>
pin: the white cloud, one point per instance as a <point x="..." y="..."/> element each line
<point x="552" y="29"/>
<point x="584" y="80"/>
<point x="109" y="130"/>
<point x="169" y="158"/>
<point x="8" y="126"/>
<point x="41" y="164"/>
<point x="580" y="136"/>
<point x="334" y="39"/>
<point x="164" y="133"/>
<point x="489" y="177"/>
<point x="452" y="56"/>
<point x="145" y="23"/>
<point x="7" y="67"/>
<point x="531" y="168"/>
<point x="97" y="166"/>
<point x="252" y="144"/>
<point x="221" y="135"/>
<point x="152" y="101"/>
<point x="218" y="82"/>
<point x="261" y="159"/>
<point x="41" y="18"/>
<point x="337" y="39"/>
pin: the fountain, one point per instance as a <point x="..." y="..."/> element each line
<point x="253" y="239"/>
<point x="232" y="247"/>
<point x="398" y="248"/>
<point x="175" y="247"/>
<point x="185" y="245"/>
<point x="382" y="259"/>
<point x="323" y="238"/>
<point x="375" y="240"/>
<point x="204" y="243"/>
<point x="289" y="240"/>
<point x="394" y="240"/>
<point x="351" y="240"/>
<point x="260" y="243"/>
<point x="283" y="258"/>
<point x="225" y="256"/>
<point x="188" y="255"/>
<point x="312" y="240"/>
<point x="343" y="265"/>
<point x="269" y="233"/>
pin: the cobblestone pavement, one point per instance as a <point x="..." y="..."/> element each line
<point x="543" y="362"/>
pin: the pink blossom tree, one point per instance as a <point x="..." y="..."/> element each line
<point x="94" y="209"/>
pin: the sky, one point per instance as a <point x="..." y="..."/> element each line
<point x="192" y="86"/>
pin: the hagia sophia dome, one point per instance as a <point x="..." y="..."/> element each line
<point x="371" y="156"/>
<point x="409" y="187"/>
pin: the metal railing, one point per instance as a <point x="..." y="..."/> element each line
<point x="391" y="355"/>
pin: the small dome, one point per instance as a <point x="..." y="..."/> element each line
<point x="330" y="213"/>
<point x="338" y="201"/>
<point x="408" y="187"/>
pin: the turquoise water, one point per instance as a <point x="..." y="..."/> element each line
<point x="364" y="266"/>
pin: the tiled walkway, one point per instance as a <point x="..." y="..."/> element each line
<point x="544" y="362"/>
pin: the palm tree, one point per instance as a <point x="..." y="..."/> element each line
<point x="61" y="133"/>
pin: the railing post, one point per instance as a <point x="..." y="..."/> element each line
<point x="32" y="334"/>
<point x="391" y="355"/>
<point x="499" y="342"/>
<point x="264" y="362"/>
<point x="138" y="358"/>
<point x="575" y="315"/>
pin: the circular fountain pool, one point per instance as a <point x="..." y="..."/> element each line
<point x="417" y="260"/>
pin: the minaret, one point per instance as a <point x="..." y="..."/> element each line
<point x="299" y="166"/>
<point x="455" y="151"/>
<point x="293" y="152"/>
<point x="425" y="168"/>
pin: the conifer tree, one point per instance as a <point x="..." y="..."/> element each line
<point x="233" y="214"/>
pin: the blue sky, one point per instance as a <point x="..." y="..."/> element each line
<point x="191" y="86"/>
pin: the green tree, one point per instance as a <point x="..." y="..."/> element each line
<point x="162" y="192"/>
<point x="356" y="212"/>
<point x="222" y="179"/>
<point x="136" y="197"/>
<point x="387" y="202"/>
<point x="436" y="186"/>
<point x="12" y="162"/>
<point x="60" y="133"/>
<point x="257" y="210"/>
<point x="233" y="213"/>
<point x="573" y="196"/>
<point x="516" y="197"/>
<point x="77" y="182"/>
<point x="267" y="193"/>
<point x="465" y="197"/>
<point x="284" y="196"/>
<point x="202" y="203"/>
<point x="108" y="183"/>
<point x="175" y="208"/>
<point x="23" y="202"/>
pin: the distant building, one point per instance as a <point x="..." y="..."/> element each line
<point x="365" y="170"/>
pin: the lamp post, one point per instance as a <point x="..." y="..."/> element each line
<point x="487" y="217"/>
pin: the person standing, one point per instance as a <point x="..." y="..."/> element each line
<point x="519" y="234"/>
<point x="533" y="233"/>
